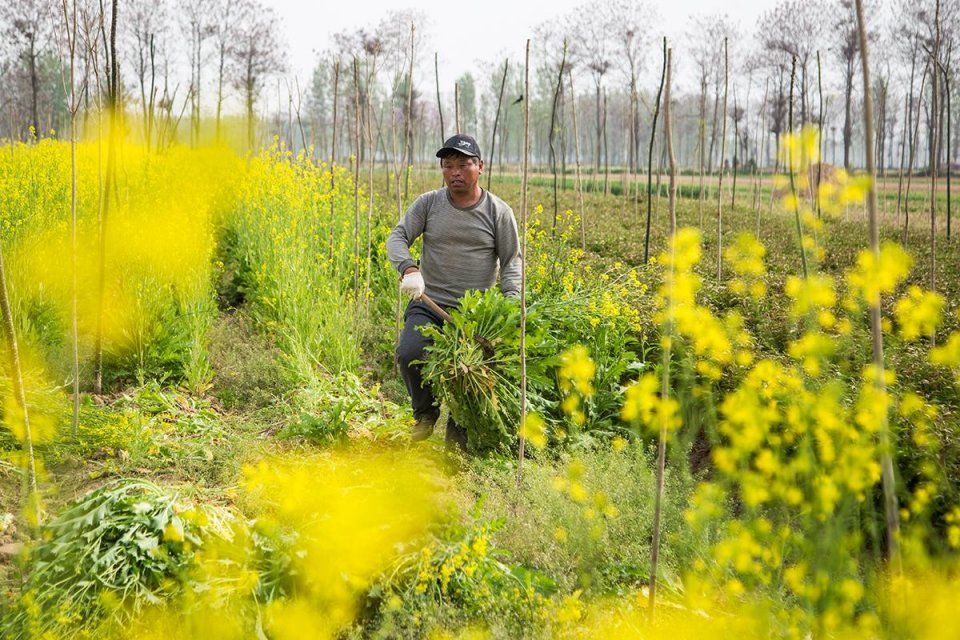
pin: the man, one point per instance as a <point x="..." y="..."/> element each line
<point x="467" y="231"/>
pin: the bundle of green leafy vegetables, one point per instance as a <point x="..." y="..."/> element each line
<point x="474" y="367"/>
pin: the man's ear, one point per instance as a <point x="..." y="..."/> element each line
<point x="481" y="166"/>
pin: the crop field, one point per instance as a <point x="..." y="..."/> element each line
<point x="717" y="396"/>
<point x="249" y="465"/>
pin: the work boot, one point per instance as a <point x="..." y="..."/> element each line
<point x="423" y="429"/>
<point x="456" y="437"/>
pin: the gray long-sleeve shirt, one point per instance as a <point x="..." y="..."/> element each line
<point x="461" y="247"/>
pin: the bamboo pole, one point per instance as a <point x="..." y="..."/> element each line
<point x="653" y="131"/>
<point x="934" y="147"/>
<point x="16" y="376"/>
<point x="372" y="152"/>
<point x="356" y="180"/>
<point x="333" y="155"/>
<point x="891" y="509"/>
<point x="523" y="262"/>
<point x="665" y="364"/>
<point x="401" y="167"/>
<point x="723" y="151"/>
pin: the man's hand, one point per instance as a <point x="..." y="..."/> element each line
<point x="412" y="284"/>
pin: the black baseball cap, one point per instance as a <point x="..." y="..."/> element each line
<point x="460" y="143"/>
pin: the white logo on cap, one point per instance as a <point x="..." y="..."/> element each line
<point x="463" y="143"/>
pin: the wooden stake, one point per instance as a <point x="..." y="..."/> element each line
<point x="16" y="376"/>
<point x="723" y="151"/>
<point x="356" y="180"/>
<point x="523" y="262"/>
<point x="665" y="363"/>
<point x="333" y="155"/>
<point x="891" y="508"/>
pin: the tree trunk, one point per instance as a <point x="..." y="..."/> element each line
<point x="223" y="55"/>
<point x="553" y="131"/>
<point x="913" y="148"/>
<point x="653" y="132"/>
<point x="819" y="130"/>
<point x="576" y="136"/>
<point x="113" y="102"/>
<point x="408" y="153"/>
<point x="762" y="142"/>
<point x="847" y="113"/>
<point x="34" y="88"/>
<point x="496" y="121"/>
<point x="946" y="86"/>
<point x="333" y="157"/>
<point x="736" y="153"/>
<point x="903" y="153"/>
<point x="934" y="147"/>
<point x="713" y="127"/>
<point x="606" y="149"/>
<point x="702" y="126"/>
<point x="456" y="107"/>
<point x="790" y="171"/>
<point x="436" y="72"/>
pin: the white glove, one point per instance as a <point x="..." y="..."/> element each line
<point x="412" y="284"/>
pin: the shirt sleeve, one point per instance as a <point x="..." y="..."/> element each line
<point x="409" y="228"/>
<point x="508" y="251"/>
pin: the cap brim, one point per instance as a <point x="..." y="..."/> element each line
<point x="444" y="151"/>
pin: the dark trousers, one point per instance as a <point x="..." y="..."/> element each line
<point x="410" y="348"/>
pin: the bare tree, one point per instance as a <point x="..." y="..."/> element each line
<point x="795" y="28"/>
<point x="26" y="26"/>
<point x="228" y="15"/>
<point x="631" y="39"/>
<point x="706" y="37"/>
<point x="197" y="24"/>
<point x="144" y="28"/>
<point x="254" y="53"/>
<point x="592" y="26"/>
<point x="847" y="49"/>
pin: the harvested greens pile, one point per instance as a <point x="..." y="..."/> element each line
<point x="474" y="366"/>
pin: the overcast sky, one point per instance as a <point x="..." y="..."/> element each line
<point x="464" y="32"/>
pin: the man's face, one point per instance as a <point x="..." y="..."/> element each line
<point x="460" y="172"/>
